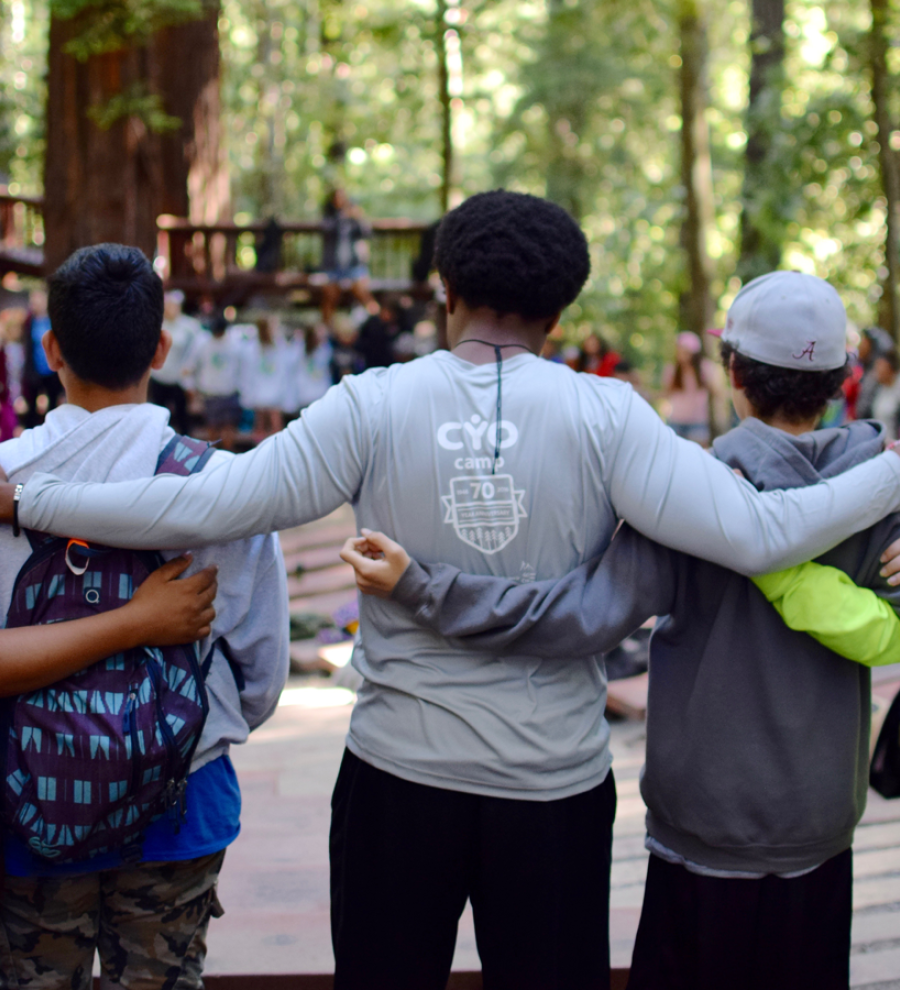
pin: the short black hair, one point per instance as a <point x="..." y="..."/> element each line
<point x="514" y="253"/>
<point x="796" y="395"/>
<point x="105" y="304"/>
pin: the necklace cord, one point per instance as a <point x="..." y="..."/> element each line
<point x="498" y="349"/>
<point x="499" y="420"/>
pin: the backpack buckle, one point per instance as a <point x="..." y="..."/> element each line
<point x="75" y="568"/>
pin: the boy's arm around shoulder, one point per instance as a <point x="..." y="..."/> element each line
<point x="674" y="492"/>
<point x="588" y="611"/>
<point x="300" y="474"/>
<point x="859" y="623"/>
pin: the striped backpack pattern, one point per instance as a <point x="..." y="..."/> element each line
<point x="93" y="759"/>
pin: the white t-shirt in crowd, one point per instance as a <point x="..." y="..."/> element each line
<point x="185" y="332"/>
<point x="216" y="364"/>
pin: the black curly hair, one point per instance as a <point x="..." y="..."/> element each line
<point x="797" y="396"/>
<point x="514" y="253"/>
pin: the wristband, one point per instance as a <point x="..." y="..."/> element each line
<point x="17" y="495"/>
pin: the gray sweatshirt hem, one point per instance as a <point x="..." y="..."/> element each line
<point x="201" y="759"/>
<point x="418" y="776"/>
<point x="747" y="858"/>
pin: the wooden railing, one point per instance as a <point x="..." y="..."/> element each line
<point x="229" y="259"/>
<point x="21" y="233"/>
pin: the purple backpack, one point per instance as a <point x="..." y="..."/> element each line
<point x="93" y="759"/>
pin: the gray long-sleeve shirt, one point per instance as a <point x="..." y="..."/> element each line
<point x="412" y="448"/>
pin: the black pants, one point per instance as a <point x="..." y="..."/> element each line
<point x="173" y="398"/>
<point x="710" y="933"/>
<point x="406" y="857"/>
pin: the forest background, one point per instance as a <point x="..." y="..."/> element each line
<point x="699" y="142"/>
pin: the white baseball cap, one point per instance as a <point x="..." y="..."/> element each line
<point x="789" y="320"/>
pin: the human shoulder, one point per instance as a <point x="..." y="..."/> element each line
<point x="263" y="550"/>
<point x="612" y="392"/>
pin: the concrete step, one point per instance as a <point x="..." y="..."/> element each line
<point x="627" y="698"/>
<point x="873" y="927"/>
<point x="339" y="578"/>
<point x="313" y="560"/>
<point x="880" y="891"/>
<point x="327" y="534"/>
<point x="326" y="604"/>
<point x="305" y="658"/>
<point x="875" y="863"/>
<point x="876" y="970"/>
<point x="881" y="835"/>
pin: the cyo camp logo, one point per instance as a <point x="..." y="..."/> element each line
<point x="478" y="435"/>
<point x="484" y="511"/>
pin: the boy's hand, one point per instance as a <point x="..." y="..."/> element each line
<point x="169" y="612"/>
<point x="379" y="562"/>
<point x="891" y="560"/>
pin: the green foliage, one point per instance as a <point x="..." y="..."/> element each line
<point x="109" y="25"/>
<point x="23" y="51"/>
<point x="135" y="102"/>
<point x="573" y="99"/>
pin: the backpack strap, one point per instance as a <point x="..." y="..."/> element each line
<point x="221" y="644"/>
<point x="184" y="456"/>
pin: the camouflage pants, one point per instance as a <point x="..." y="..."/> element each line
<point x="148" y="923"/>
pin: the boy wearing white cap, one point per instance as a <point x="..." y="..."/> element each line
<point x="757" y="735"/>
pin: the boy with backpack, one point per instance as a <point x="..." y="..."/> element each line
<point x="757" y="736"/>
<point x="142" y="896"/>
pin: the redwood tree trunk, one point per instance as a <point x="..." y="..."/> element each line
<point x="890" y="176"/>
<point x="98" y="184"/>
<point x="110" y="185"/>
<point x="187" y="63"/>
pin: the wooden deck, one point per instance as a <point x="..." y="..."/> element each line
<point x="21" y="234"/>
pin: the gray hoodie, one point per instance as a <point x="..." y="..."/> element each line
<point x="757" y="736"/>
<point x="124" y="442"/>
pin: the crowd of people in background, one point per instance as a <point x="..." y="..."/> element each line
<point x="233" y="380"/>
<point x="241" y="380"/>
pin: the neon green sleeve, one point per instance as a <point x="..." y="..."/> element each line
<point x="825" y="603"/>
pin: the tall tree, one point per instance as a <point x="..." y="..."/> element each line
<point x="696" y="169"/>
<point x="761" y="217"/>
<point x="440" y="43"/>
<point x="116" y="156"/>
<point x="568" y="105"/>
<point x="887" y="157"/>
<point x="195" y="176"/>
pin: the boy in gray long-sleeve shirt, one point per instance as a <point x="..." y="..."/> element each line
<point x="757" y="736"/>
<point x="462" y="767"/>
